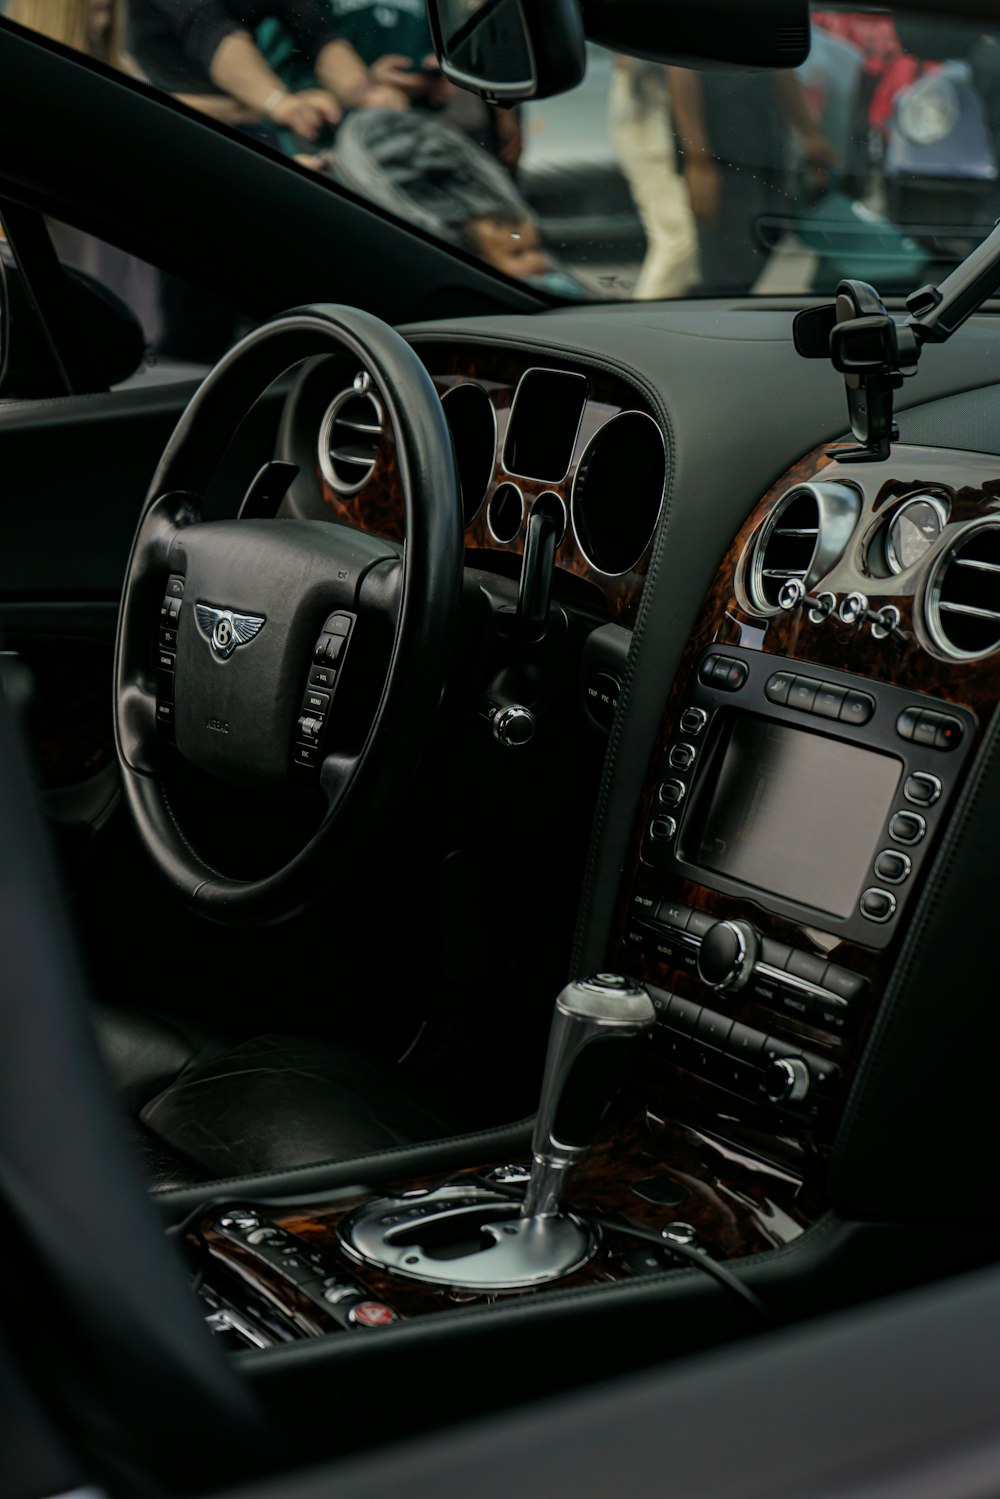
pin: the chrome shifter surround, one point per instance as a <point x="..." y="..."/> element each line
<point x="514" y="1253"/>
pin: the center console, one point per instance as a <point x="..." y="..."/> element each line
<point x="812" y="751"/>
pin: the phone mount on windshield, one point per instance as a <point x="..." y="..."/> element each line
<point x="875" y="353"/>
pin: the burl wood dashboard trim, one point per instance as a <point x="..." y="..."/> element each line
<point x="970" y="485"/>
<point x="379" y="506"/>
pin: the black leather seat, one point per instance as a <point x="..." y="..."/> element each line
<point x="206" y="1107"/>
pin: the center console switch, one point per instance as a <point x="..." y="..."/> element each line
<point x="783" y="979"/>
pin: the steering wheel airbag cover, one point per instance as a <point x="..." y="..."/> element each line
<point x="428" y="609"/>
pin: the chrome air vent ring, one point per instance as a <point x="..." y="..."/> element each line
<point x="803" y="538"/>
<point x="349" y="437"/>
<point x="962" y="596"/>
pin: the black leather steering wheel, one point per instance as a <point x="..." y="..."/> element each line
<point x="256" y="599"/>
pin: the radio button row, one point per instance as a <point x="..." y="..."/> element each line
<point x="907" y="827"/>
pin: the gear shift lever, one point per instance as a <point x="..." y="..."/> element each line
<point x="594" y="1020"/>
<point x="475" y="1237"/>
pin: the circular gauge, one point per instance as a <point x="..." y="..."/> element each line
<point x="913" y="530"/>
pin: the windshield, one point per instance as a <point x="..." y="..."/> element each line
<point x="877" y="159"/>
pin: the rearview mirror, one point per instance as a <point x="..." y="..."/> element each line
<point x="506" y="50"/>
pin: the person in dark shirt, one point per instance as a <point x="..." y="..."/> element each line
<point x="203" y="51"/>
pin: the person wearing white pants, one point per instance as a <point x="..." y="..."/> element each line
<point x="643" y="138"/>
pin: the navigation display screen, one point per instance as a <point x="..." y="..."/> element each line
<point x="792" y="813"/>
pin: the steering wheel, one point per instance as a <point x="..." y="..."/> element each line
<point x="282" y="653"/>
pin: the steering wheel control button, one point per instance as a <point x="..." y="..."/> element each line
<point x="166" y="660"/>
<point x="170" y="610"/>
<point x="693" y="720"/>
<point x="322" y="676"/>
<point x="175" y="586"/>
<point x="681" y="757"/>
<point x="672" y="793"/>
<point x="168" y="638"/>
<point x="338" y="624"/>
<point x="921" y="789"/>
<point x="663" y="829"/>
<point x="892" y="866"/>
<point x="907" y="827"/>
<point x="316" y="702"/>
<point x="325" y="672"/>
<point x="878" y="905"/>
<point x="306" y="755"/>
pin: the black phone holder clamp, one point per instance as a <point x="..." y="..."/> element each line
<point x="875" y="352"/>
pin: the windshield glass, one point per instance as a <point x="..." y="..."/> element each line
<point x="877" y="159"/>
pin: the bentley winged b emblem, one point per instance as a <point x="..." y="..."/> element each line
<point x="226" y="630"/>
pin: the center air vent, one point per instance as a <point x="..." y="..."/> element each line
<point x="963" y="594"/>
<point x="349" y="438"/>
<point x="804" y="537"/>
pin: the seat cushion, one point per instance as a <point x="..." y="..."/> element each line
<point x="277" y="1102"/>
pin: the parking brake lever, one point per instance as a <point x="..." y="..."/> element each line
<point x="537" y="567"/>
<point x="595" y="1021"/>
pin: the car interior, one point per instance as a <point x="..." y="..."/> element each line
<point x="497" y="810"/>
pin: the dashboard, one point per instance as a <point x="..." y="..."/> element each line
<point x="784" y="767"/>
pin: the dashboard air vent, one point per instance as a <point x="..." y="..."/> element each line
<point x="804" y="537"/>
<point x="963" y="594"/>
<point x="349" y="438"/>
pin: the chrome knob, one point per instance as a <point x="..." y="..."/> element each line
<point x="514" y="726"/>
<point x="788" y="1080"/>
<point x="727" y="954"/>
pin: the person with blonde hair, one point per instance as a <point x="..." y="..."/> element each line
<point x="96" y="27"/>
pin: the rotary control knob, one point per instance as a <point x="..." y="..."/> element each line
<point x="787" y="1080"/>
<point x="727" y="955"/>
<point x="514" y="726"/>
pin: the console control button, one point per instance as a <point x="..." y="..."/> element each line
<point x="832" y="1014"/>
<point x="371" y="1314"/>
<point x="683" y="1015"/>
<point x="802" y="694"/>
<point x="663" y="829"/>
<point x="844" y="984"/>
<point x="727" y="955"/>
<point x="723" y="672"/>
<point x="674" y="915"/>
<point x="892" y="866"/>
<point x="922" y="789"/>
<point x="699" y="922"/>
<point x="857" y="708"/>
<point x="926" y="726"/>
<point x="745" y="1043"/>
<point x="672" y="792"/>
<point x="778" y="687"/>
<point x="693" y="720"/>
<point x="774" y="954"/>
<point x="829" y="700"/>
<point x="805" y="965"/>
<point x="602" y="692"/>
<point x="644" y="905"/>
<point x="907" y="827"/>
<point x="949" y="732"/>
<point x="907" y="722"/>
<point x="788" y="1080"/>
<point x="799" y="1003"/>
<point x="681" y="757"/>
<point x="713" y="1029"/>
<point x="878" y="905"/>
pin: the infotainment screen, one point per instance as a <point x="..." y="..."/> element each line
<point x="790" y="812"/>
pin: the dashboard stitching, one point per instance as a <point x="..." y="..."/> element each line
<point x="891" y="1005"/>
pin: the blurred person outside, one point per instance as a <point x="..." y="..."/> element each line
<point x="385" y="58"/>
<point x="733" y="130"/>
<point x="642" y="133"/>
<point x="204" y="53"/>
<point x="97" y="28"/>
